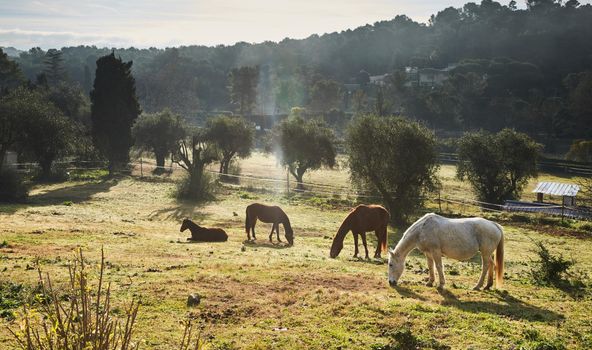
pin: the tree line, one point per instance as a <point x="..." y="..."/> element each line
<point x="528" y="69"/>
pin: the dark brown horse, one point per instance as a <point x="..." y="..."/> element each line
<point x="202" y="234"/>
<point x="268" y="214"/>
<point x="362" y="219"/>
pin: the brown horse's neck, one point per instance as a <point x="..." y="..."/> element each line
<point x="344" y="228"/>
<point x="286" y="222"/>
<point x="193" y="227"/>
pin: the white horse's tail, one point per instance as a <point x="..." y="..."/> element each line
<point x="499" y="261"/>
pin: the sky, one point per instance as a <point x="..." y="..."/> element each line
<point x="156" y="23"/>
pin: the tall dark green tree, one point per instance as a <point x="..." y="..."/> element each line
<point x="54" y="69"/>
<point x="114" y="109"/>
<point x="10" y="74"/>
<point x="243" y="88"/>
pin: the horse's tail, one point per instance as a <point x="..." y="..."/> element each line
<point x="499" y="260"/>
<point x="384" y="244"/>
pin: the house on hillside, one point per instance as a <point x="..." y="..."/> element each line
<point x="379" y="80"/>
<point x="427" y="77"/>
<point x="10" y="160"/>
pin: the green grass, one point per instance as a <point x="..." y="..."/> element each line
<point x="260" y="296"/>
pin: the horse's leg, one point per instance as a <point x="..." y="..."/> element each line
<point x="485" y="259"/>
<point x="490" y="273"/>
<point x="377" y="253"/>
<point x="253" y="228"/>
<point x="431" y="270"/>
<point x="365" y="244"/>
<point x="271" y="233"/>
<point x="355" y="244"/>
<point x="277" y="231"/>
<point x="437" y="256"/>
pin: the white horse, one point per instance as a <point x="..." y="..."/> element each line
<point x="460" y="239"/>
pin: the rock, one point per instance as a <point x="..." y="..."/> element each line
<point x="193" y="299"/>
<point x="234" y="213"/>
<point x="243" y="249"/>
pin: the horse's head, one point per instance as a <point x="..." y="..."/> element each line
<point x="336" y="247"/>
<point x="396" y="265"/>
<point x="290" y="236"/>
<point x="184" y="225"/>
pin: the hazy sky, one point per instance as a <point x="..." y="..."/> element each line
<point x="144" y="23"/>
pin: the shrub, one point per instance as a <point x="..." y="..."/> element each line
<point x="12" y="187"/>
<point x="200" y="190"/>
<point x="549" y="269"/>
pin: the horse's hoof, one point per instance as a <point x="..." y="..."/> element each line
<point x="487" y="288"/>
<point x="430" y="284"/>
<point x="476" y="288"/>
<point x="440" y="287"/>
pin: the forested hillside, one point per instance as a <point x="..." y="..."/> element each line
<point x="524" y="68"/>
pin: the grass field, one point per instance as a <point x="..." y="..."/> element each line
<point x="269" y="296"/>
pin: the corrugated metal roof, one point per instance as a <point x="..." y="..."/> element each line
<point x="557" y="189"/>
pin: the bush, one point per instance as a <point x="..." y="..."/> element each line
<point x="549" y="269"/>
<point x="200" y="190"/>
<point x="12" y="187"/>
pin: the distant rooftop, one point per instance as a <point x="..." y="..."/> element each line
<point x="557" y="189"/>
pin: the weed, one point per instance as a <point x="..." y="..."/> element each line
<point x="80" y="317"/>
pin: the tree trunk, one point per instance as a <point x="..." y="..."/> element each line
<point x="299" y="175"/>
<point x="159" y="163"/>
<point x="2" y="155"/>
<point x="45" y="169"/>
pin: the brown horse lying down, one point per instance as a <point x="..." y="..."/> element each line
<point x="268" y="214"/>
<point x="360" y="220"/>
<point x="202" y="234"/>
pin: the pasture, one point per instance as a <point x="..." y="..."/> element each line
<point x="269" y="296"/>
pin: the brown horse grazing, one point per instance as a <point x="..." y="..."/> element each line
<point x="268" y="214"/>
<point x="202" y="234"/>
<point x="360" y="220"/>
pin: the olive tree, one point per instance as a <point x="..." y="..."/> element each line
<point x="37" y="127"/>
<point x="498" y="166"/>
<point x="193" y="153"/>
<point x="304" y="145"/>
<point x="395" y="158"/>
<point x="158" y="133"/>
<point x="232" y="136"/>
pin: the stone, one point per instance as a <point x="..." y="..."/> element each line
<point x="193" y="299"/>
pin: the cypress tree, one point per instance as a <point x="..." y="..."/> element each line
<point x="114" y="109"/>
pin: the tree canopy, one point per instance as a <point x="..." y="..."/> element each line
<point x="394" y="158"/>
<point x="498" y="166"/>
<point x="232" y="136"/>
<point x="303" y="145"/>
